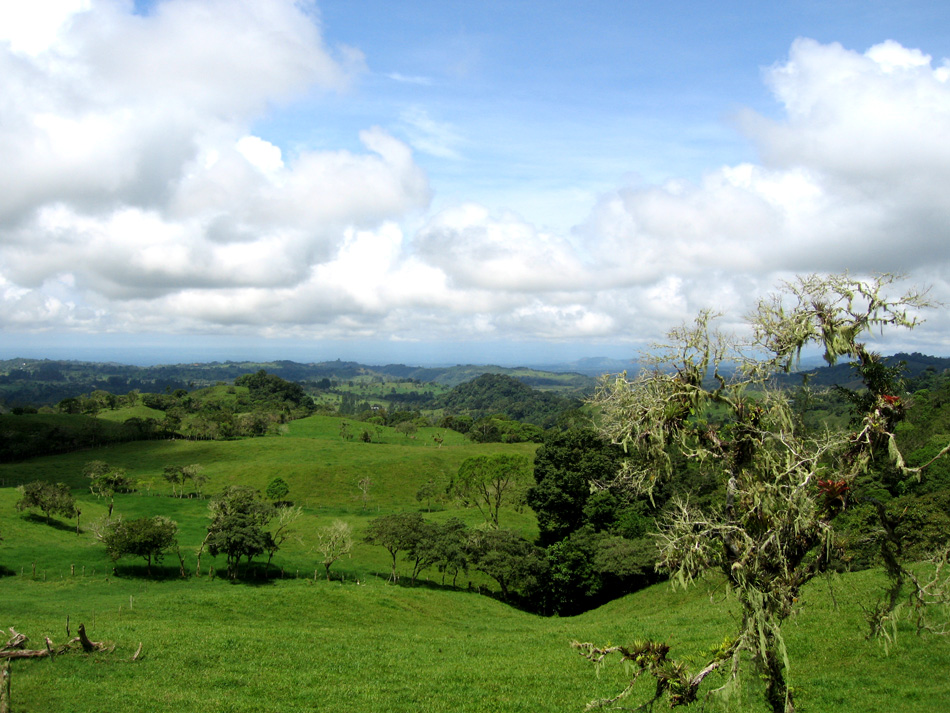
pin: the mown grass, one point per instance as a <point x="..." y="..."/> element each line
<point x="358" y="643"/>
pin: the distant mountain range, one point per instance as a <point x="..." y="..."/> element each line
<point x="43" y="381"/>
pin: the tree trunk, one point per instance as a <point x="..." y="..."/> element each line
<point x="776" y="690"/>
<point x="87" y="645"/>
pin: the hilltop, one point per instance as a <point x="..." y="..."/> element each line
<point x="47" y="382"/>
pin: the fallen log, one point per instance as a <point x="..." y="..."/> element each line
<point x="13" y="649"/>
<point x="16" y="640"/>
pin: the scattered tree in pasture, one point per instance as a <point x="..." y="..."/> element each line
<point x="106" y="481"/>
<point x="287" y="516"/>
<point x="396" y="533"/>
<point x="407" y="428"/>
<point x="783" y="487"/>
<point x="146" y="537"/>
<point x="430" y="491"/>
<point x="488" y="482"/>
<point x="364" y="485"/>
<point x="175" y="474"/>
<point x="195" y="473"/>
<point x="277" y="489"/>
<point x="451" y="554"/>
<point x="422" y="549"/>
<point x="178" y="475"/>
<point x="49" y="498"/>
<point x="334" y="542"/>
<point x="239" y="519"/>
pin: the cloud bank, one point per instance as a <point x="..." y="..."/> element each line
<point x="135" y="196"/>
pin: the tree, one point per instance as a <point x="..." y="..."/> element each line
<point x="175" y="474"/>
<point x="364" y="484"/>
<point x="565" y="466"/>
<point x="146" y="537"/>
<point x="488" y="482"/>
<point x="287" y="515"/>
<point x="195" y="473"/>
<point x="450" y="543"/>
<point x="707" y="397"/>
<point x="513" y="562"/>
<point x="49" y="498"/>
<point x="397" y="533"/>
<point x="407" y="428"/>
<point x="334" y="542"/>
<point x="238" y="526"/>
<point x="277" y="489"/>
<point x="106" y="481"/>
<point x="429" y="491"/>
<point x="422" y="547"/>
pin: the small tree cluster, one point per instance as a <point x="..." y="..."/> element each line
<point x="513" y="562"/>
<point x="178" y="475"/>
<point x="239" y="519"/>
<point x="106" y="481"/>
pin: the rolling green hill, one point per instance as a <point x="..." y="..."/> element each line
<point x="357" y="643"/>
<point x="39" y="382"/>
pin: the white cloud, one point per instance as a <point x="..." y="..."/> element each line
<point x="135" y="195"/>
<point x="130" y="171"/>
<point x="409" y="79"/>
<point x="31" y="27"/>
<point x="261" y="154"/>
<point x="429" y="136"/>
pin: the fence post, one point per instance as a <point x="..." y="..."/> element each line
<point x="5" y="687"/>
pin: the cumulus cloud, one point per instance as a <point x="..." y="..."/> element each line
<point x="131" y="172"/>
<point x="135" y="195"/>
<point x="854" y="177"/>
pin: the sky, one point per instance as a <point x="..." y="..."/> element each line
<point x="451" y="182"/>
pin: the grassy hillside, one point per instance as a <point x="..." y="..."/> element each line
<point x="296" y="645"/>
<point x="321" y="468"/>
<point x="358" y="643"/>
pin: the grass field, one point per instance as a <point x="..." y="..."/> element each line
<point x="358" y="643"/>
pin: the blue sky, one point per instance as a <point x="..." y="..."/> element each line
<point x="437" y="182"/>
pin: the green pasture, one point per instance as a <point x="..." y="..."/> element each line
<point x="322" y="469"/>
<point x="358" y="643"/>
<point x="299" y="645"/>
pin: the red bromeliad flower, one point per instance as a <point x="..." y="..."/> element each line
<point x="834" y="490"/>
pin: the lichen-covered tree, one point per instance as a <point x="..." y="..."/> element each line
<point x="334" y="541"/>
<point x="707" y="397"/>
